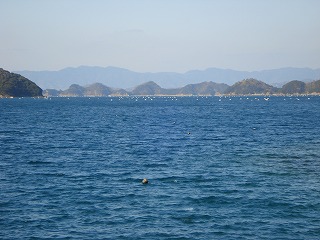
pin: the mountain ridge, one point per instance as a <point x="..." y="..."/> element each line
<point x="244" y="87"/>
<point x="255" y="87"/>
<point x="123" y="78"/>
<point x="146" y="89"/>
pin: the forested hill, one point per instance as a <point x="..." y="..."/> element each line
<point x="15" y="85"/>
<point x="146" y="89"/>
<point x="245" y="87"/>
<point x="256" y="87"/>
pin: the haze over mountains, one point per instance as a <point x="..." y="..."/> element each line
<point x="123" y="78"/>
<point x="15" y="85"/>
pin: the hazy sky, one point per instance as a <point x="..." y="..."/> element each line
<point x="159" y="35"/>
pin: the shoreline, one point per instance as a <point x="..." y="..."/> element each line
<point x="176" y="96"/>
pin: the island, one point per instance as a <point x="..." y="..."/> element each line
<point x="249" y="86"/>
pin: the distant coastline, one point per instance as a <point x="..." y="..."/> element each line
<point x="116" y="77"/>
<point x="246" y="87"/>
<point x="16" y="85"/>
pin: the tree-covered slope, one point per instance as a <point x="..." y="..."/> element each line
<point x="250" y="86"/>
<point x="15" y="85"/>
<point x="294" y="87"/>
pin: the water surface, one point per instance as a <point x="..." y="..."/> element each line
<point x="218" y="168"/>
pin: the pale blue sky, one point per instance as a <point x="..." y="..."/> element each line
<point x="159" y="35"/>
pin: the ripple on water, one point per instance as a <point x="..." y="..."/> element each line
<point x="247" y="170"/>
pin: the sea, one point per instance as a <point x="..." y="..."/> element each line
<point x="217" y="168"/>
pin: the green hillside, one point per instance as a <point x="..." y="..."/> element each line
<point x="15" y="85"/>
<point x="250" y="86"/>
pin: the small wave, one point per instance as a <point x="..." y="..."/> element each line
<point x="172" y="179"/>
<point x="156" y="165"/>
<point x="46" y="174"/>
<point x="38" y="162"/>
<point x="192" y="218"/>
<point x="4" y="203"/>
<point x="188" y="209"/>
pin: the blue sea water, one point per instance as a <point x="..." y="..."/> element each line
<point x="218" y="168"/>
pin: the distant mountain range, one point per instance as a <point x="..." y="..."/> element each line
<point x="15" y="85"/>
<point x="126" y="79"/>
<point x="245" y="87"/>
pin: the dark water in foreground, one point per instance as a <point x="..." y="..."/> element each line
<point x="218" y="168"/>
